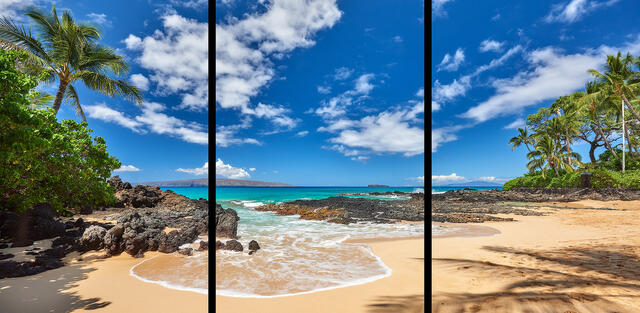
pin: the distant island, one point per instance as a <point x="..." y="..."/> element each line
<point x="199" y="182"/>
<point x="473" y="184"/>
<point x="248" y="183"/>
<point x="375" y="185"/>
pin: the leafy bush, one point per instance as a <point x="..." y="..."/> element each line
<point x="568" y="180"/>
<point x="42" y="160"/>
<point x="610" y="162"/>
<point x="601" y="178"/>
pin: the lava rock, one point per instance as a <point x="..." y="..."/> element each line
<point x="219" y="245"/>
<point x="253" y="245"/>
<point x="233" y="245"/>
<point x="186" y="251"/>
<point x="93" y="238"/>
<point x="226" y="222"/>
<point x="203" y="245"/>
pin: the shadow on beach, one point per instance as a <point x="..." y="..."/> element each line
<point x="47" y="292"/>
<point x="398" y="304"/>
<point x="563" y="280"/>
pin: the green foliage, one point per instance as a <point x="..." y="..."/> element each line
<point x="601" y="178"/>
<point x="608" y="161"/>
<point x="42" y="160"/>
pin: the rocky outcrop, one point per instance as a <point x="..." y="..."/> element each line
<point x="92" y="238"/>
<point x="226" y="222"/>
<point x="36" y="223"/>
<point x="539" y="195"/>
<point x="142" y="196"/>
<point x="233" y="245"/>
<point x="345" y="210"/>
<point x="203" y="246"/>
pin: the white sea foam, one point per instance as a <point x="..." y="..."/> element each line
<point x="165" y="283"/>
<point x="418" y="190"/>
<point x="434" y="192"/>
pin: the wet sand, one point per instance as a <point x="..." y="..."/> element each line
<point x="573" y="260"/>
<point x="95" y="285"/>
<point x="403" y="291"/>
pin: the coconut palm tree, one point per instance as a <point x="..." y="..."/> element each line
<point x="620" y="79"/>
<point x="68" y="53"/>
<point x="597" y="104"/>
<point x="522" y="138"/>
<point x="568" y="111"/>
<point x="549" y="154"/>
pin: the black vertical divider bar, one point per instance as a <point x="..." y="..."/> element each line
<point x="212" y="154"/>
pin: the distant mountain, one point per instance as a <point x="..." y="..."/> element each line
<point x="474" y="184"/>
<point x="248" y="183"/>
<point x="200" y="182"/>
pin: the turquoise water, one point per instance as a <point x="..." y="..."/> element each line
<point x="299" y="256"/>
<point x="281" y="194"/>
<point x="436" y="190"/>
<point x="190" y="192"/>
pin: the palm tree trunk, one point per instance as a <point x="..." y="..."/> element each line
<point x="59" y="95"/>
<point x="606" y="142"/>
<point x="592" y="151"/>
<point x="629" y="107"/>
<point x="566" y="140"/>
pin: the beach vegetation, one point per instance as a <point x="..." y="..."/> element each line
<point x="67" y="52"/>
<point x="593" y="116"/>
<point x="43" y="160"/>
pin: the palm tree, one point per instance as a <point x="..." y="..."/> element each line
<point x="548" y="154"/>
<point x="67" y="50"/>
<point x="570" y="120"/>
<point x="597" y="104"/>
<point x="620" y="79"/>
<point x="522" y="138"/>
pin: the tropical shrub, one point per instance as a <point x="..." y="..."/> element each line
<point x="41" y="159"/>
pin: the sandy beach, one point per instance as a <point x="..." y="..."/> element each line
<point x="572" y="260"/>
<point x="95" y="285"/>
<point x="403" y="291"/>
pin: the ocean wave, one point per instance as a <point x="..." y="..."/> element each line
<point x="164" y="283"/>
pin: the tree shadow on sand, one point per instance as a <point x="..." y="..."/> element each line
<point x="399" y="304"/>
<point x="563" y="280"/>
<point x="47" y="292"/>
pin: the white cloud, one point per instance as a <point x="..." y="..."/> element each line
<point x="387" y="132"/>
<point x="177" y="59"/>
<point x="451" y="63"/>
<point x="444" y="134"/>
<point x="302" y="133"/>
<point x="127" y="168"/>
<point x="140" y="81"/>
<point x="151" y="120"/>
<point x="437" y="7"/>
<point x="204" y="170"/>
<point x="337" y="105"/>
<point x="439" y="179"/>
<point x="324" y="89"/>
<point x="435" y="106"/>
<point x="420" y="93"/>
<point x="99" y="18"/>
<point x="519" y="123"/>
<point x="244" y="48"/>
<point x="397" y="39"/>
<point x="100" y="111"/>
<point x="342" y="73"/>
<point x="360" y="158"/>
<point x="574" y="10"/>
<point x="195" y="3"/>
<point x="226" y="135"/>
<point x="252" y="169"/>
<point x="459" y="87"/>
<point x="490" y="45"/>
<point x="12" y="8"/>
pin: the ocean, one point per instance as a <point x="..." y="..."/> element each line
<point x="190" y="192"/>
<point x="300" y="256"/>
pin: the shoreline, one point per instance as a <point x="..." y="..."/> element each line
<point x="395" y="254"/>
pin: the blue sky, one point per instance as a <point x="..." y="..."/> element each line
<point x="320" y="93"/>
<point x="497" y="62"/>
<point x="166" y="45"/>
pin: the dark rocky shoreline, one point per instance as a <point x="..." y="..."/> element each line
<point x="145" y="219"/>
<point x="346" y="210"/>
<point x="470" y="206"/>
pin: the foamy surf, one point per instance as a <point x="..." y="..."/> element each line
<point x="163" y="283"/>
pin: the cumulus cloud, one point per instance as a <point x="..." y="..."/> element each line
<point x="140" y="81"/>
<point x="228" y="171"/>
<point x="245" y="48"/>
<point x="575" y="10"/>
<point x="127" y="168"/>
<point x="490" y="45"/>
<point x="204" y="170"/>
<point x="451" y="178"/>
<point x="302" y="133"/>
<point x="177" y="59"/>
<point x="12" y="8"/>
<point x="324" y="89"/>
<point x="151" y="120"/>
<point x="227" y="135"/>
<point x="451" y="63"/>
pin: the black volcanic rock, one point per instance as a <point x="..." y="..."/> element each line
<point x="233" y="245"/>
<point x="226" y="222"/>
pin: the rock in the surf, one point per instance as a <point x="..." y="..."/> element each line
<point x="226" y="222"/>
<point x="203" y="245"/>
<point x="233" y="245"/>
<point x="219" y="245"/>
<point x="253" y="245"/>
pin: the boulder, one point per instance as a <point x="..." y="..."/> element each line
<point x="219" y="245"/>
<point x="226" y="222"/>
<point x="253" y="245"/>
<point x="186" y="251"/>
<point x="233" y="245"/>
<point x="93" y="238"/>
<point x="203" y="245"/>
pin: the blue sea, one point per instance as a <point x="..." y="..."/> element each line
<point x="190" y="192"/>
<point x="300" y="256"/>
